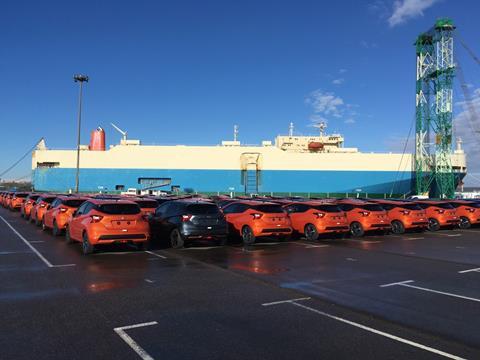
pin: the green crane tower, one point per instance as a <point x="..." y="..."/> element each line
<point x="434" y="111"/>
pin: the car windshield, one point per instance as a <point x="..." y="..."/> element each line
<point x="203" y="209"/>
<point x="33" y="197"/>
<point x="327" y="208"/>
<point x="73" y="203"/>
<point x="49" y="200"/>
<point x="273" y="209"/>
<point x="119" y="209"/>
<point x="371" y="207"/>
<point x="21" y="195"/>
<point x="147" y="204"/>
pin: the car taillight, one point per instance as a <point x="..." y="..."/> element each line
<point x="364" y="213"/>
<point x="405" y="212"/>
<point x="440" y="211"/>
<point x="471" y="210"/>
<point x="256" y="215"/>
<point x="186" y="218"/>
<point x="62" y="209"/>
<point x="42" y="205"/>
<point x="96" y="218"/>
<point x="319" y="215"/>
<point x="29" y="202"/>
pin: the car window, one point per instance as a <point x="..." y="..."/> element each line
<point x="445" y="206"/>
<point x="411" y="207"/>
<point x="147" y="204"/>
<point x="118" y="209"/>
<point x="424" y="206"/>
<point x="345" y="207"/>
<point x="269" y="209"/>
<point x="73" y="203"/>
<point x="371" y="207"/>
<point x="328" y="208"/>
<point x="162" y="209"/>
<point x="56" y="202"/>
<point x="235" y="208"/>
<point x="82" y="208"/>
<point x="203" y="209"/>
<point x="387" y="206"/>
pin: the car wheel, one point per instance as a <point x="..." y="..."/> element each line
<point x="55" y="230"/>
<point x="311" y="232"/>
<point x="176" y="239"/>
<point x="87" y="248"/>
<point x="248" y="236"/>
<point x="433" y="224"/>
<point x="44" y="227"/>
<point x="464" y="223"/>
<point x="68" y="239"/>
<point x="356" y="229"/>
<point x="397" y="227"/>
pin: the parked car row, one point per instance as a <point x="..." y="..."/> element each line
<point x="94" y="220"/>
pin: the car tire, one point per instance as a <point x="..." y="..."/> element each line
<point x="176" y="239"/>
<point x="356" y="229"/>
<point x="464" y="223"/>
<point x="311" y="232"/>
<point x="55" y="230"/>
<point x="42" y="224"/>
<point x="87" y="248"/>
<point x="68" y="238"/>
<point x="248" y="237"/>
<point x="433" y="224"/>
<point x="397" y="227"/>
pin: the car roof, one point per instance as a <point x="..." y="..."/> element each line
<point x="254" y="203"/>
<point x="69" y="197"/>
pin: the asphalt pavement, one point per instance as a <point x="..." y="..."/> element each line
<point x="415" y="296"/>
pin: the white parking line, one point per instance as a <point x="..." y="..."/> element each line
<point x="413" y="238"/>
<point x="378" y="332"/>
<point x="149" y="281"/>
<point x="125" y="337"/>
<point x="285" y="301"/>
<point x="48" y="263"/>
<point x="449" y="235"/>
<point x="351" y="259"/>
<point x="36" y="241"/>
<point x="407" y="284"/>
<point x="469" y="270"/>
<point x="155" y="254"/>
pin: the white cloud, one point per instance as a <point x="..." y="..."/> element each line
<point x="326" y="104"/>
<point x="339" y="81"/>
<point x="404" y="10"/>
<point x="342" y="71"/>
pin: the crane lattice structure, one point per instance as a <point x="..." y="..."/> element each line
<point x="434" y="111"/>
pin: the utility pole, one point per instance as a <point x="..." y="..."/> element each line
<point x="81" y="79"/>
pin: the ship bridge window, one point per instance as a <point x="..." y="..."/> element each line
<point x="48" y="164"/>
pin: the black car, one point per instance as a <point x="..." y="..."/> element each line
<point x="179" y="221"/>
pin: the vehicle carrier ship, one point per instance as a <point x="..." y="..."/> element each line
<point x="291" y="164"/>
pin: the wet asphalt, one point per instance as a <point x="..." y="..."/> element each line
<point x="415" y="296"/>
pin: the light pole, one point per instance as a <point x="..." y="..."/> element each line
<point x="81" y="79"/>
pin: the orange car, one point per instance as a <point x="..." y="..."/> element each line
<point x="17" y="200"/>
<point x="404" y="215"/>
<point x="58" y="214"/>
<point x="28" y="204"/>
<point x="252" y="219"/>
<point x="364" y="216"/>
<point x="312" y="218"/>
<point x="468" y="212"/>
<point x="41" y="205"/>
<point x="147" y="206"/>
<point x="111" y="221"/>
<point x="7" y="199"/>
<point x="440" y="214"/>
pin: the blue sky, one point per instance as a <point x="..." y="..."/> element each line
<point x="187" y="71"/>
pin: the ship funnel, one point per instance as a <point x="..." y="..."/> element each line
<point x="97" y="140"/>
